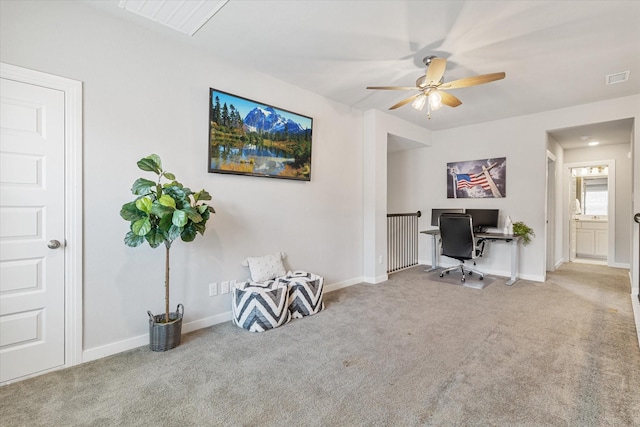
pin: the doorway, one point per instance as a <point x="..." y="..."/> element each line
<point x="591" y="212"/>
<point x="41" y="292"/>
<point x="550" y="212"/>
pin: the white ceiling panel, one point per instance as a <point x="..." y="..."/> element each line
<point x="186" y="16"/>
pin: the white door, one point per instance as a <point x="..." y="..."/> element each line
<point x="572" y="223"/>
<point x="32" y="203"/>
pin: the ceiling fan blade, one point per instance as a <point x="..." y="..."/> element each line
<point x="392" y="87"/>
<point x="473" y="81"/>
<point x="448" y="99"/>
<point x="404" y="101"/>
<point x="435" y="71"/>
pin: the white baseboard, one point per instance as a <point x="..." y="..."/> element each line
<point x="141" y="340"/>
<point x="344" y="284"/>
<point x="620" y="265"/>
<point x="114" y="348"/>
<point x="376" y="280"/>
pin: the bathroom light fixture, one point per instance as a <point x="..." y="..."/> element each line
<point x="593" y="143"/>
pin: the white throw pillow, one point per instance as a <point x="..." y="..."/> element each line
<point x="266" y="267"/>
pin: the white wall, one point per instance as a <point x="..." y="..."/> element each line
<point x="378" y="126"/>
<point x="148" y="94"/>
<point x="623" y="179"/>
<point x="523" y="141"/>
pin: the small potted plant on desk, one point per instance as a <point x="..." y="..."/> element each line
<point x="523" y="230"/>
<point x="161" y="213"/>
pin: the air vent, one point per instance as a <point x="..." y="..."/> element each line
<point x="617" y="78"/>
<point x="184" y="16"/>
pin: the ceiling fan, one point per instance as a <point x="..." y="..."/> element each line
<point x="430" y="87"/>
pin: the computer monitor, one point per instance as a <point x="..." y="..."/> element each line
<point x="435" y="215"/>
<point x="484" y="218"/>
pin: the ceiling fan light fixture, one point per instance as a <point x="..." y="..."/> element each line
<point x="432" y="86"/>
<point x="435" y="100"/>
<point x="419" y="102"/>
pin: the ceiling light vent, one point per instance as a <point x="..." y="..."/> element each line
<point x="617" y="78"/>
<point x="184" y="16"/>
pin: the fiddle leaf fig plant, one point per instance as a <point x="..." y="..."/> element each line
<point x="162" y="211"/>
<point x="522" y="229"/>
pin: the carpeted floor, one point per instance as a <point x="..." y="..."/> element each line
<point x="470" y="281"/>
<point x="407" y="352"/>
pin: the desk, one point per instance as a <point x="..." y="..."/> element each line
<point x="491" y="237"/>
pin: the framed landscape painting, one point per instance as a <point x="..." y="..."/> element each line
<point x="251" y="138"/>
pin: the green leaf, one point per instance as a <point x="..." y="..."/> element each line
<point x="167" y="200"/>
<point x="173" y="233"/>
<point x="142" y="187"/>
<point x="202" y="195"/>
<point x="141" y="226"/>
<point x="166" y="223"/>
<point x="133" y="240"/>
<point x="155" y="237"/>
<point x="176" y="192"/>
<point x="169" y="175"/>
<point x="192" y="214"/>
<point x="161" y="211"/>
<point x="130" y="212"/>
<point x="188" y="234"/>
<point x="180" y="218"/>
<point x="144" y="204"/>
<point x="200" y="227"/>
<point x="151" y="163"/>
<point x="205" y="216"/>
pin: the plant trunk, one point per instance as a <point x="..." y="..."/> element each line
<point x="166" y="285"/>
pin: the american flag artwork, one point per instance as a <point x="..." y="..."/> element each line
<point x="477" y="179"/>
<point x="467" y="181"/>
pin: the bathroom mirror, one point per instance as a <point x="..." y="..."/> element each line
<point x="591" y="191"/>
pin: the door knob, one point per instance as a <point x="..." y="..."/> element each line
<point x="53" y="244"/>
<point x="636" y="217"/>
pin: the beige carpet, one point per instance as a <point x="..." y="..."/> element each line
<point x="470" y="281"/>
<point x="407" y="352"/>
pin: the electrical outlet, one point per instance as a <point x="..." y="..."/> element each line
<point x="213" y="289"/>
<point x="225" y="287"/>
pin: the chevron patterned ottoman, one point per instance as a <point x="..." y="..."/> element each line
<point x="305" y="293"/>
<point x="258" y="307"/>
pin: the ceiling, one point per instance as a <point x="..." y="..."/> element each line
<point x="555" y="54"/>
<point x="605" y="133"/>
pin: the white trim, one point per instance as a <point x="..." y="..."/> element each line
<point x="376" y="280"/>
<point x="142" y="340"/>
<point x="611" y="215"/>
<point x="344" y="284"/>
<point x="73" y="199"/>
<point x="550" y="212"/>
<point x="550" y="155"/>
<point x="635" y="304"/>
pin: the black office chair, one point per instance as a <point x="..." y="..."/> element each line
<point x="458" y="241"/>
